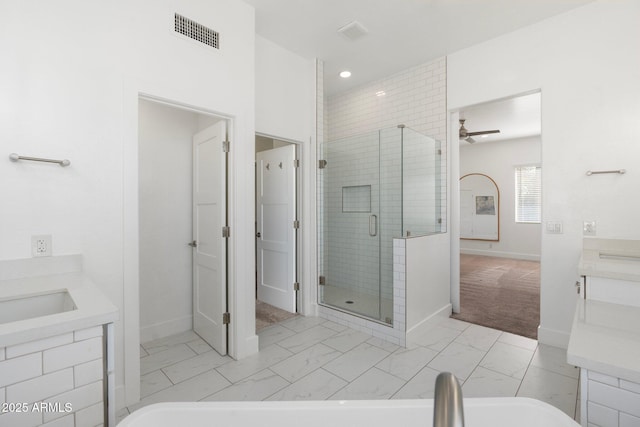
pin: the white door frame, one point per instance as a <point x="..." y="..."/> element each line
<point x="131" y="262"/>
<point x="305" y="289"/>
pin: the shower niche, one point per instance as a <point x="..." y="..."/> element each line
<point x="375" y="190"/>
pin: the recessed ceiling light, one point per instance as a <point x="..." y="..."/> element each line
<point x="381" y="93"/>
<point x="345" y="74"/>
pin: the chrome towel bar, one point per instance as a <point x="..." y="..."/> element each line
<point x="620" y="171"/>
<point x="14" y="158"/>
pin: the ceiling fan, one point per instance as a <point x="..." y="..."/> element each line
<point x="466" y="135"/>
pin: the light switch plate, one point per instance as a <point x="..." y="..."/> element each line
<point x="554" y="227"/>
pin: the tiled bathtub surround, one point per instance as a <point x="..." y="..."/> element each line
<point x="61" y="370"/>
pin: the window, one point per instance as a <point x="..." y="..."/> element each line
<point x="528" y="194"/>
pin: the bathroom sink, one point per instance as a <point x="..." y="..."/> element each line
<point x="36" y="305"/>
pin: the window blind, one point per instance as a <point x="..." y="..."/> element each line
<point x="528" y="194"/>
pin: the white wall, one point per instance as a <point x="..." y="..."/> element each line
<point x="586" y="64"/>
<point x="285" y="108"/>
<point x="165" y="171"/>
<point x="70" y="88"/>
<point x="498" y="160"/>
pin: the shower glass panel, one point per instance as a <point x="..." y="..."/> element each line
<point x="373" y="188"/>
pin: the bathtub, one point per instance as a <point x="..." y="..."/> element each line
<point x="479" y="412"/>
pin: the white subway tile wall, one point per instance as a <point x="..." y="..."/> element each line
<point x="611" y="402"/>
<point x="359" y="138"/>
<point x="53" y="372"/>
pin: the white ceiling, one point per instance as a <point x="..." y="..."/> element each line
<point x="401" y="33"/>
<point x="517" y="117"/>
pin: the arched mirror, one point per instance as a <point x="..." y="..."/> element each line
<point x="479" y="208"/>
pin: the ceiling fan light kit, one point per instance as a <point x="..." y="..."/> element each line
<point x="466" y="135"/>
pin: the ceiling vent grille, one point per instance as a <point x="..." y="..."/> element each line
<point x="353" y="30"/>
<point x="195" y="31"/>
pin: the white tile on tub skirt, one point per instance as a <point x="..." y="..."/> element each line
<point x="318" y="385"/>
<point x="373" y="384"/>
<point x="486" y="383"/>
<point x="256" y="387"/>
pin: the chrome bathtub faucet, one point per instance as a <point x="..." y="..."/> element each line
<point x="447" y="404"/>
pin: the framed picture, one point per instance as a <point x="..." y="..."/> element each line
<point x="485" y="205"/>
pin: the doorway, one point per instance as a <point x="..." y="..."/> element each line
<point x="182" y="208"/>
<point x="276" y="227"/>
<point x="499" y="214"/>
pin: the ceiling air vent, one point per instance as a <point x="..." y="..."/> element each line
<point x="195" y="31"/>
<point x="353" y="30"/>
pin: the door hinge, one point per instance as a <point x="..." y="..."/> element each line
<point x="296" y="224"/>
<point x="225" y="146"/>
<point x="322" y="164"/>
<point x="439" y="152"/>
<point x="226" y="231"/>
<point x="226" y="318"/>
<point x="296" y="163"/>
<point x="321" y="280"/>
<point x="296" y="286"/>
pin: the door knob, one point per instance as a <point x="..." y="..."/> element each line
<point x="193" y="244"/>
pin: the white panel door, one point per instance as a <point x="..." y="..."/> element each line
<point x="209" y="261"/>
<point x="275" y="239"/>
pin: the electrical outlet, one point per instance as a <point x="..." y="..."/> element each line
<point x="41" y="245"/>
<point x="589" y="228"/>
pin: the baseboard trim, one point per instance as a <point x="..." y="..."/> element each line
<point x="428" y="323"/>
<point x="499" y="254"/>
<point x="553" y="337"/>
<point x="166" y="328"/>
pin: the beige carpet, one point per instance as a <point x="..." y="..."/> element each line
<point x="500" y="293"/>
<point x="267" y="315"/>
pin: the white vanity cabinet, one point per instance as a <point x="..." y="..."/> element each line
<point x="605" y="336"/>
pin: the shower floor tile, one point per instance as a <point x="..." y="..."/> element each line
<point x="309" y="358"/>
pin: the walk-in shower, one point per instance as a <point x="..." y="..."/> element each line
<point x="373" y="188"/>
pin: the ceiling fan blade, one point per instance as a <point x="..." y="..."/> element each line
<point x="483" y="132"/>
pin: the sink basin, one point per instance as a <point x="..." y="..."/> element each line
<point x="30" y="306"/>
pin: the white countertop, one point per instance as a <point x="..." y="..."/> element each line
<point x="605" y="338"/>
<point x="610" y="258"/>
<point x="92" y="307"/>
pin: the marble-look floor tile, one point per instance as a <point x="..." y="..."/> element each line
<point x="385" y="345"/>
<point x="554" y="359"/>
<point x="508" y="359"/>
<point x="153" y="382"/>
<point x="555" y="389"/>
<point x="273" y="334"/>
<point x="478" y="337"/>
<point x="318" y="385"/>
<point x="346" y="340"/>
<point x="419" y="387"/>
<point x="193" y="366"/>
<point x="143" y="352"/>
<point x="164" y="358"/>
<point x="164" y="343"/>
<point x="302" y="323"/>
<point x="335" y="326"/>
<point x="199" y="346"/>
<point x="517" y="340"/>
<point x="305" y="362"/>
<point x="458" y="359"/>
<point x="237" y="370"/>
<point x="373" y="384"/>
<point x="436" y="338"/>
<point x="306" y="339"/>
<point x="405" y="363"/>
<point x="449" y="322"/>
<point x="190" y="390"/>
<point x="486" y="383"/>
<point x="256" y="387"/>
<point x="354" y="363"/>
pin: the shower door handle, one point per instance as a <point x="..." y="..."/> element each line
<point x="373" y="225"/>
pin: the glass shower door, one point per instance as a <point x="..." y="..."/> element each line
<point x="349" y="225"/>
